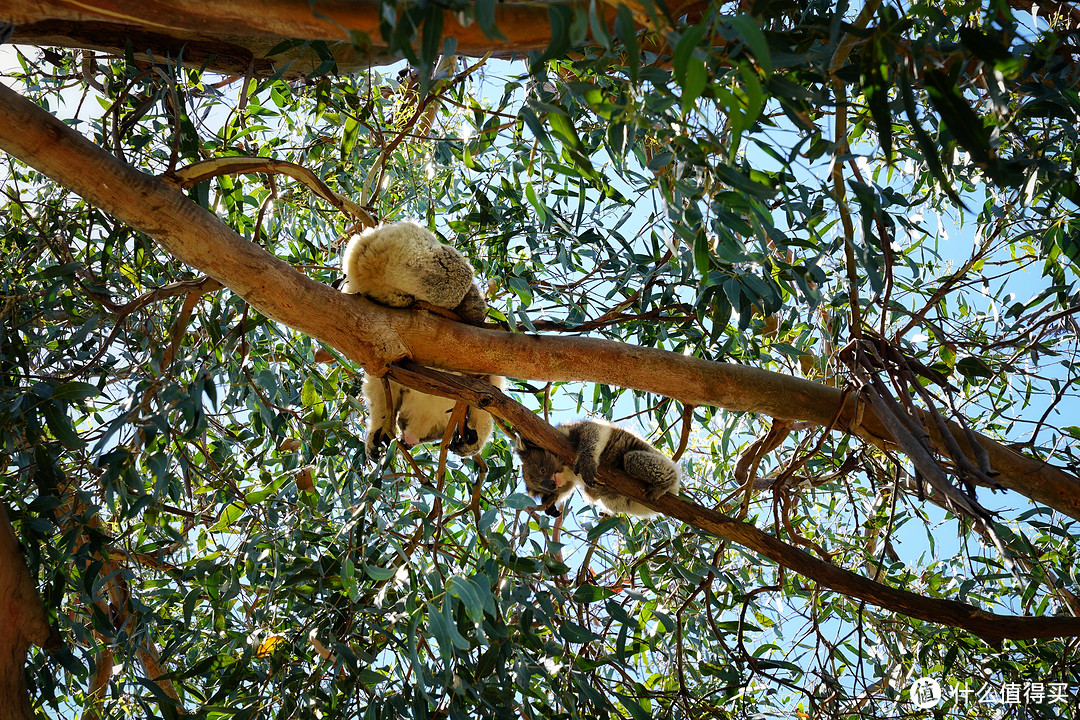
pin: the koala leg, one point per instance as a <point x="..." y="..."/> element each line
<point x="382" y="413"/>
<point x="478" y="428"/>
<point x="592" y="439"/>
<point x="444" y="278"/>
<point x="657" y="471"/>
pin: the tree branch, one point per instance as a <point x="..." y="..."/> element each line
<point x="989" y="626"/>
<point x="236" y="36"/>
<point x="22" y="623"/>
<point x="375" y="336"/>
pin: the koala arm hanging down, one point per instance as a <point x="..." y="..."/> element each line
<point x="598" y="442"/>
<point x="398" y="265"/>
<point x="421" y="418"/>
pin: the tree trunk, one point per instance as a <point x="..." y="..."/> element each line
<point x="22" y="623"/>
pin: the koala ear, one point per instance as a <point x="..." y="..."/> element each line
<point x="520" y="444"/>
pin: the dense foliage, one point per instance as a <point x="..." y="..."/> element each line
<point x="828" y="192"/>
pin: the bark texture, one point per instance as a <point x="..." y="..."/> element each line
<point x="22" y="623"/>
<point x="235" y="36"/>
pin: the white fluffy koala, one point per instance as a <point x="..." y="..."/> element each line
<point x="398" y="265"/>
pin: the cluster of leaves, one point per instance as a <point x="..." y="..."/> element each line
<point x="191" y="486"/>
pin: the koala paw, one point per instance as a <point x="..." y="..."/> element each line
<point x="655" y="491"/>
<point x="585" y="468"/>
<point x="467" y="444"/>
<point x="375" y="442"/>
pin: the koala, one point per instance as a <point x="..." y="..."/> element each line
<point x="597" y="442"/>
<point x="398" y="265"/>
<point x="421" y="418"/>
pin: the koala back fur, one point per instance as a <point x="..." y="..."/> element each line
<point x="401" y="263"/>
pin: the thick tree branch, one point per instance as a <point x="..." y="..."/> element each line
<point x="693" y="381"/>
<point x="374" y="336"/>
<point x="524" y="25"/>
<point x="235" y="36"/>
<point x="22" y="623"/>
<point x="989" y="626"/>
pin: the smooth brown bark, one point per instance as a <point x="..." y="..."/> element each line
<point x="235" y="36"/>
<point x="374" y="336"/>
<point x="22" y="623"/>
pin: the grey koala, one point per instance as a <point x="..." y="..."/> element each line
<point x="597" y="442"/>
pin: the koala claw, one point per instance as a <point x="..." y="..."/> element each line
<point x="375" y="443"/>
<point x="586" y="471"/>
<point x="466" y="444"/>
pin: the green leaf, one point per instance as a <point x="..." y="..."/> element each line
<point x="350" y="132"/>
<point x="602" y="527"/>
<point x="684" y="50"/>
<point x="876" y="86"/>
<point x="484" y="11"/>
<point x="469" y="594"/>
<point x="751" y="34"/>
<point x="591" y="594"/>
<point x="964" y="123"/>
<point x="370" y="677"/>
<point x="228" y="517"/>
<point x="431" y="43"/>
<point x="75" y="390"/>
<point x="61" y="427"/>
<point x="626" y="30"/>
<point x="696" y="78"/>
<point x="559" y="19"/>
<point x="518" y="501"/>
<point x="574" y="633"/>
<point x="702" y="253"/>
<point x="308" y="396"/>
<point x="973" y="368"/>
<point x="379" y="573"/>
